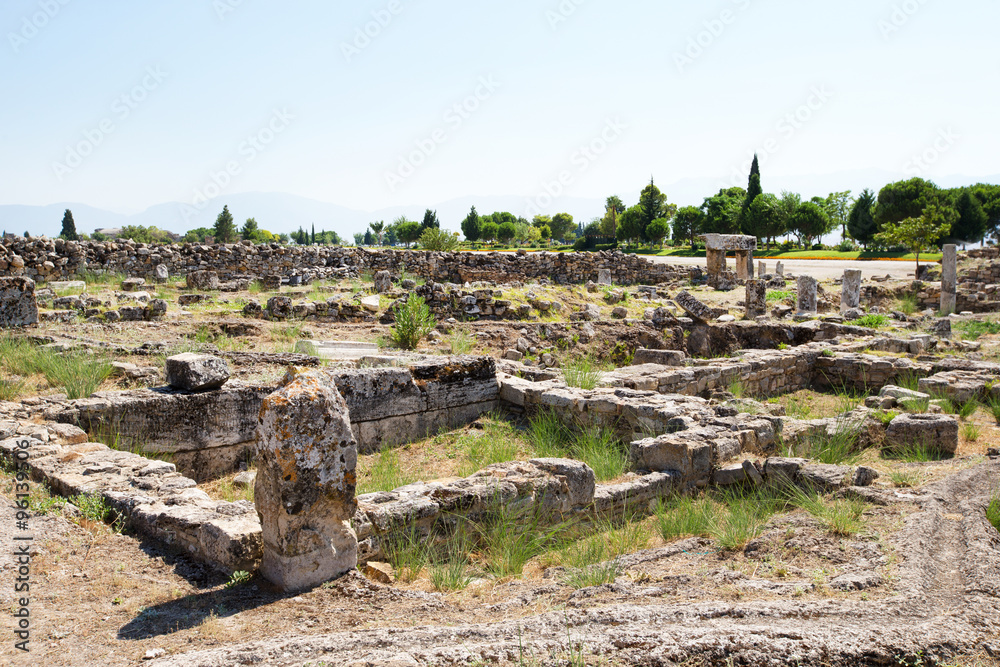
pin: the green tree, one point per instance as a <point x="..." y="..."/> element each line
<point x="904" y="199"/>
<point x="630" y="225"/>
<point x="409" y="231"/>
<point x="141" y="234"/>
<point x="472" y="225"/>
<point x="359" y="239"/>
<point x="197" y="235"/>
<point x="919" y="233"/>
<point x="722" y="211"/>
<point x="654" y="205"/>
<point x="989" y="198"/>
<point x="613" y="209"/>
<point x="312" y="239"/>
<point x="970" y="225"/>
<point x="224" y="229"/>
<point x="764" y="219"/>
<point x="545" y="233"/>
<point x="369" y="239"/>
<point x="658" y="230"/>
<point x="753" y="191"/>
<point x="391" y="238"/>
<point x="561" y="225"/>
<point x="809" y="221"/>
<point x="688" y="224"/>
<point x="249" y="230"/>
<point x="838" y="207"/>
<point x="378" y="229"/>
<point x="69" y="227"/>
<point x="506" y="232"/>
<point x="790" y="202"/>
<point x="430" y="220"/>
<point x="861" y="220"/>
<point x="488" y="231"/>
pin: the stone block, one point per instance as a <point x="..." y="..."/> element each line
<point x="756" y="299"/>
<point x="203" y="280"/>
<point x="660" y="357"/>
<point x="850" y="290"/>
<point x="806" y="294"/>
<point x="18" y="307"/>
<point x="196" y="372"/>
<point x="382" y="282"/>
<point x="304" y="490"/>
<point x="934" y="432"/>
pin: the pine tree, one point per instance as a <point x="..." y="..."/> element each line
<point x="69" y="227"/>
<point x="224" y="229"/>
<point x="430" y="220"/>
<point x="971" y="224"/>
<point x="860" y="221"/>
<point x="654" y="205"/>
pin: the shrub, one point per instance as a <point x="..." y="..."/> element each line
<point x="907" y="304"/>
<point x="413" y="322"/>
<point x="993" y="510"/>
<point x="434" y="238"/>
<point x="847" y="245"/>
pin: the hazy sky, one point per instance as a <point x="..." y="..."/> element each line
<point x="123" y="105"/>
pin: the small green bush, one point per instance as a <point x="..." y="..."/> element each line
<point x="413" y="322"/>
<point x="778" y="295"/>
<point x="871" y="320"/>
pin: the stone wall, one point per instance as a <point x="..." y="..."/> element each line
<point x="55" y="259"/>
<point x="210" y="433"/>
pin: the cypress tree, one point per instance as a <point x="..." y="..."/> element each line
<point x="69" y="227"/>
<point x="753" y="191"/>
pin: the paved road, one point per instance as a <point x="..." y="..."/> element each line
<point x="821" y="269"/>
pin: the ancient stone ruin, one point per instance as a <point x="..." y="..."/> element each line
<point x="707" y="396"/>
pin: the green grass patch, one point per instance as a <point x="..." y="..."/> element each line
<point x="78" y="373"/>
<point x="684" y="516"/>
<point x="599" y="448"/>
<point x="779" y="295"/>
<point x="841" y="516"/>
<point x="973" y="329"/>
<point x="906" y="479"/>
<point x="461" y="342"/>
<point x="385" y="474"/>
<point x="871" y="321"/>
<point x="497" y="443"/>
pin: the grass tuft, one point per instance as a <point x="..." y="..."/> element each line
<point x="993" y="510"/>
<point x="583" y="372"/>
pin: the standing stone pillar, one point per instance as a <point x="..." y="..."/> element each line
<point x="779" y="268"/>
<point x="806" y="294"/>
<point x="744" y="265"/>
<point x="850" y="291"/>
<point x="716" y="261"/>
<point x="756" y="298"/>
<point x="949" y="279"/>
<point x="761" y="269"/>
<point x="304" y="493"/>
<point x="604" y="276"/>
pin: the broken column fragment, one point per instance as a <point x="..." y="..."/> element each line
<point x="196" y="372"/>
<point x="806" y="296"/>
<point x="756" y="298"/>
<point x="18" y="307"/>
<point x="949" y="269"/>
<point x="850" y="291"/>
<point x="304" y="492"/>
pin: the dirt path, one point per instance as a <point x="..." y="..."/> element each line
<point x="947" y="602"/>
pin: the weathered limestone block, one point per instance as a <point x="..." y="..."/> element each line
<point x="806" y="294"/>
<point x="899" y="393"/>
<point x="304" y="491"/>
<point x="756" y="298"/>
<point x="933" y="432"/>
<point x="196" y="372"/>
<point x="603" y="276"/>
<point x="132" y="284"/>
<point x="162" y="273"/>
<point x="850" y="290"/>
<point x="18" y="307"/>
<point x="660" y="357"/>
<point x="383" y="282"/>
<point x="203" y="280"/>
<point x="693" y="307"/>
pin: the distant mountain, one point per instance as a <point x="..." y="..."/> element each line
<point x="281" y="212"/>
